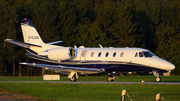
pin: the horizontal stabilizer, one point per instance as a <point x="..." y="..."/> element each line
<point x="52" y="43"/>
<point x="25" y="45"/>
<point x="62" y="67"/>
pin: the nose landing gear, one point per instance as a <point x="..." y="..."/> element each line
<point x="158" y="79"/>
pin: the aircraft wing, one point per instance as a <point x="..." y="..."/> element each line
<point x="61" y="69"/>
<point x="25" y="45"/>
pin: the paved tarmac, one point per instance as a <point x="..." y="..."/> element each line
<point x="91" y="82"/>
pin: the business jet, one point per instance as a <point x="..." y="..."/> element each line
<point x="75" y="61"/>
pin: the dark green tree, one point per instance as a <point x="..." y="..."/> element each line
<point x="124" y="26"/>
<point x="9" y="20"/>
<point x="105" y="10"/>
<point x="44" y="19"/>
<point x="91" y="36"/>
<point x="170" y="52"/>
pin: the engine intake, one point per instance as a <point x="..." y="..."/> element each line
<point x="62" y="53"/>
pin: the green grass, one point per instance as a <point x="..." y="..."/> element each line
<point x="21" y="78"/>
<point x="94" y="92"/>
<point x="100" y="78"/>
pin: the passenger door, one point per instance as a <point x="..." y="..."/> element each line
<point x="83" y="55"/>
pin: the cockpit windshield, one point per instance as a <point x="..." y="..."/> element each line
<point x="148" y="54"/>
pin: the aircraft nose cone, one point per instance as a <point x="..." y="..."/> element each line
<point x="166" y="65"/>
<point x="171" y="66"/>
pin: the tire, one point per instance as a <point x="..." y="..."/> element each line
<point x="110" y="79"/>
<point x="73" y="78"/>
<point x="158" y="79"/>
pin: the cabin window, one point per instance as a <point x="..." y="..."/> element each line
<point x="121" y="55"/>
<point x="140" y="54"/>
<point x="114" y="54"/>
<point x="136" y="55"/>
<point x="99" y="54"/>
<point x="107" y="54"/>
<point x="92" y="54"/>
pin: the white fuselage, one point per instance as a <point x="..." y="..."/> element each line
<point x="118" y="59"/>
<point x="122" y="55"/>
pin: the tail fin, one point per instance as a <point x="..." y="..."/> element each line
<point x="30" y="33"/>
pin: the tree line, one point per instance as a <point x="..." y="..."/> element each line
<point x="150" y="24"/>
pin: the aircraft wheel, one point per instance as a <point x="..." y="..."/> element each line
<point x="110" y="79"/>
<point x="73" y="78"/>
<point x="158" y="79"/>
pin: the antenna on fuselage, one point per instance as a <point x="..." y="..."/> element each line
<point x="100" y="46"/>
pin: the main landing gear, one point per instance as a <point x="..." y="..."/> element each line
<point x="73" y="76"/>
<point x="111" y="77"/>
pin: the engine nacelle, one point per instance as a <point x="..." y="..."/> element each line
<point x="62" y="53"/>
